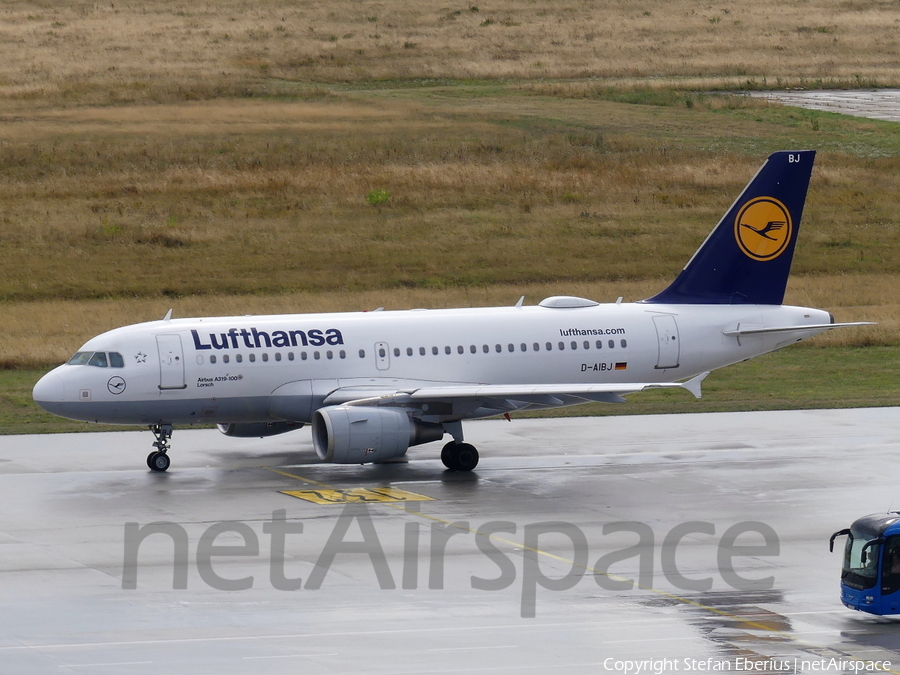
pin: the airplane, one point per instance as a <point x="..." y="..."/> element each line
<point x="373" y="384"/>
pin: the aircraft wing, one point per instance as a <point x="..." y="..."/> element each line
<point x="501" y="396"/>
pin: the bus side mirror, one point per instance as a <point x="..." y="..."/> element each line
<point x="836" y="534"/>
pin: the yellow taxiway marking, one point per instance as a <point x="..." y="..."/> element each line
<point x="357" y="495"/>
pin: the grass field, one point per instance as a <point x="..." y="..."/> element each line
<point x="239" y="158"/>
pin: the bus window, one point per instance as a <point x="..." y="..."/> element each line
<point x="856" y="573"/>
<point x="890" y="573"/>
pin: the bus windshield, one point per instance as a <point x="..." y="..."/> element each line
<point x="856" y="573"/>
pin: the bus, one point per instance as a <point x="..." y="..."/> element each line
<point x="870" y="574"/>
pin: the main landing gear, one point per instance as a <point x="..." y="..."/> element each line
<point x="158" y="460"/>
<point x="459" y="456"/>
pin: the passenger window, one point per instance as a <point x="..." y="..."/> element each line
<point x="278" y="356"/>
<point x="329" y="355"/>
<point x="291" y="356"/>
<point x="409" y="351"/>
<point x="537" y="347"/>
<point x="381" y="353"/>
<point x="315" y="355"/>
<point x="212" y="358"/>
<point x="624" y="344"/>
<point x="303" y="356"/>
<point x="396" y="351"/>
<point x="562" y="345"/>
<point x="265" y="357"/>
<point x="434" y="351"/>
<point x="524" y="347"/>
<point x="485" y="349"/>
<point x="512" y="347"/>
<point x="252" y="358"/>
<point x="343" y="354"/>
<point x="447" y="350"/>
<point x="116" y="360"/>
<point x="473" y="349"/>
<point x="599" y="344"/>
<point x="612" y="344"/>
<point x="362" y="353"/>
<point x="574" y="344"/>
<point x="549" y="346"/>
<point x="421" y="351"/>
<point x="239" y="358"/>
<point x="460" y="350"/>
<point x="587" y="345"/>
<point x="98" y="359"/>
<point x="225" y="358"/>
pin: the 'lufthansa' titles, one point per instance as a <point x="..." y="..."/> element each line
<point x="252" y="338"/>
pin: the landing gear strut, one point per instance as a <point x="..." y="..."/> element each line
<point x="459" y="456"/>
<point x="158" y="460"/>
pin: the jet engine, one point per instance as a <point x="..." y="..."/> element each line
<point x="359" y="434"/>
<point x="257" y="429"/>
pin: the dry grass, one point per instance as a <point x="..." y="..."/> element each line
<point x="218" y="157"/>
<point x="160" y="50"/>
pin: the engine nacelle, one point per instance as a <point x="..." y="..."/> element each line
<point x="257" y="429"/>
<point x="361" y="434"/>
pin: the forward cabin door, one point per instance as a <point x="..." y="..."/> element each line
<point x="669" y="344"/>
<point x="171" y="362"/>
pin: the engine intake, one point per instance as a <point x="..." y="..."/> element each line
<point x="362" y="434"/>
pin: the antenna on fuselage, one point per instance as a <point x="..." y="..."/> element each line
<point x="168" y="315"/>
<point x="521" y="301"/>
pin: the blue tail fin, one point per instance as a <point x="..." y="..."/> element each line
<point x="747" y="258"/>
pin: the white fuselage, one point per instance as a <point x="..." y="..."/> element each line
<point x="264" y="368"/>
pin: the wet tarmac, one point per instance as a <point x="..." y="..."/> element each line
<point x="576" y="546"/>
<point x="880" y="104"/>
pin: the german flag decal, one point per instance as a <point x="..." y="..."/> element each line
<point x="622" y="365"/>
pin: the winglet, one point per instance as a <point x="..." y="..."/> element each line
<point x="693" y="384"/>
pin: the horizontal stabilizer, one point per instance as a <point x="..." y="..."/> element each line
<point x="793" y="329"/>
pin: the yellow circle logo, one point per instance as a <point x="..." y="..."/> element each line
<point x="763" y="228"/>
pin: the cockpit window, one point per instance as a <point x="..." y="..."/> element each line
<point x="98" y="359"/>
<point x="80" y="358"/>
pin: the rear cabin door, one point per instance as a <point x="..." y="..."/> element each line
<point x="669" y="347"/>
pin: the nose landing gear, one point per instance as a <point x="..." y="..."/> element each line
<point x="158" y="460"/>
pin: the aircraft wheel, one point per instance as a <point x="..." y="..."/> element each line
<point x="150" y="459"/>
<point x="466" y="457"/>
<point x="447" y="455"/>
<point x="158" y="461"/>
<point x="459" y="456"/>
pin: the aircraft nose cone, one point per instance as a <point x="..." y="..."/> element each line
<point x="49" y="390"/>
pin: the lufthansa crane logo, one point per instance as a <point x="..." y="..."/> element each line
<point x="763" y="228"/>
